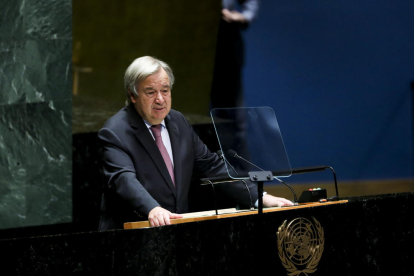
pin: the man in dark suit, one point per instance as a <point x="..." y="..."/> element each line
<point x="150" y="153"/>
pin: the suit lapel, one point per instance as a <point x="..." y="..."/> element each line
<point x="174" y="134"/>
<point x="143" y="135"/>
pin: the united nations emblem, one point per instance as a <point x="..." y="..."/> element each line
<point x="300" y="245"/>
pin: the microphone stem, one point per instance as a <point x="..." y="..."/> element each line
<point x="295" y="198"/>
<point x="238" y="156"/>
<point x="251" y="201"/>
<point x="244" y="182"/>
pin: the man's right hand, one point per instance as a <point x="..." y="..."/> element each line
<point x="233" y="16"/>
<point x="159" y="216"/>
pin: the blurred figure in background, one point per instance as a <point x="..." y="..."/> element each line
<point x="227" y="87"/>
<point x="227" y="90"/>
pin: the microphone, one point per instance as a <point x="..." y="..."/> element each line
<point x="232" y="153"/>
<point x="220" y="153"/>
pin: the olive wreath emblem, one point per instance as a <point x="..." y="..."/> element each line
<point x="300" y="245"/>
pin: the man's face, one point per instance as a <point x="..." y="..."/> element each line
<point x="153" y="102"/>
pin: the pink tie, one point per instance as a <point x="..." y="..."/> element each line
<point x="156" y="130"/>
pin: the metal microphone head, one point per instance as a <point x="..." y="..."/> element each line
<point x="232" y="153"/>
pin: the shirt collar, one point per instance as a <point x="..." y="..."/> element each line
<point x="149" y="125"/>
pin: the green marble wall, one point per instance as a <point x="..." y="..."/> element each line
<point x="35" y="112"/>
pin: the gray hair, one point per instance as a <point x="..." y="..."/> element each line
<point x="140" y="69"/>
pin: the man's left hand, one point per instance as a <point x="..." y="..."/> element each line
<point x="272" y="201"/>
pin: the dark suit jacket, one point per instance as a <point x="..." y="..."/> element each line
<point x="137" y="179"/>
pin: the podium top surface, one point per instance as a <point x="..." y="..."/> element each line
<point x="228" y="213"/>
